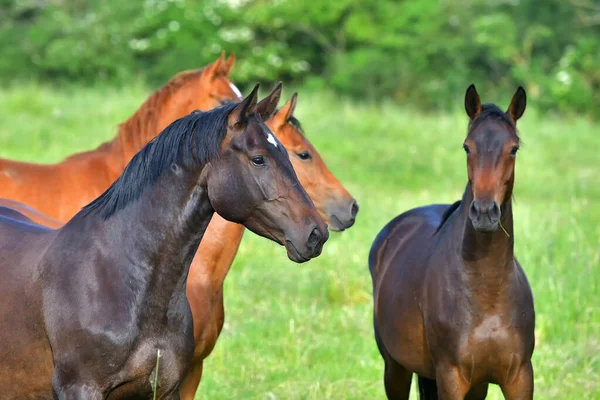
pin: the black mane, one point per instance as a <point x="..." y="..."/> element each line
<point x="192" y="140"/>
<point x="447" y="214"/>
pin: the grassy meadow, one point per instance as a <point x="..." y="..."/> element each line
<point x="305" y="331"/>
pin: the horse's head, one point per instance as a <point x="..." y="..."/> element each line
<point x="491" y="146"/>
<point x="337" y="207"/>
<point x="213" y="87"/>
<point x="253" y="182"/>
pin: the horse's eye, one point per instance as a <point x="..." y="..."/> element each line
<point x="467" y="150"/>
<point x="513" y="151"/>
<point x="305" y="155"/>
<point x="258" y="160"/>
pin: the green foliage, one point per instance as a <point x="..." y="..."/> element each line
<point x="419" y="52"/>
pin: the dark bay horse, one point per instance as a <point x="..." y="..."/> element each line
<point x="85" y="308"/>
<point x="221" y="242"/>
<point x="451" y="302"/>
<point x="222" y="238"/>
<point x="61" y="190"/>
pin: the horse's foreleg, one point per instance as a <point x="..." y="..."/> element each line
<point x="478" y="392"/>
<point x="521" y="386"/>
<point x="450" y="383"/>
<point x="190" y="384"/>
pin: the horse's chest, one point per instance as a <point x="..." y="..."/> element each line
<point x="165" y="358"/>
<point x="492" y="348"/>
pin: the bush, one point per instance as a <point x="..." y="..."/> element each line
<point x="425" y="53"/>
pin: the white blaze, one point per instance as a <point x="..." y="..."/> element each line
<point x="235" y="90"/>
<point x="271" y="139"/>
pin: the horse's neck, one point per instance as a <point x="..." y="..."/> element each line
<point x="216" y="254"/>
<point x="158" y="235"/>
<point x="148" y="121"/>
<point x="108" y="156"/>
<point x="487" y="257"/>
<point x="133" y="135"/>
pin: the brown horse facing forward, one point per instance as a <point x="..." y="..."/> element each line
<point x="220" y="244"/>
<point x="85" y="308"/>
<point x="451" y="302"/>
<point x="60" y="190"/>
<point x="222" y="238"/>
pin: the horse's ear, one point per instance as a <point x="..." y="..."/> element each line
<point x="213" y="69"/>
<point x="228" y="64"/>
<point x="283" y="115"/>
<point x="517" y="104"/>
<point x="267" y="106"/>
<point x="239" y="115"/>
<point x="472" y="102"/>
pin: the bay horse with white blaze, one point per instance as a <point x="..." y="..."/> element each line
<point x="61" y="190"/>
<point x="221" y="242"/>
<point x="451" y="302"/>
<point x="84" y="309"/>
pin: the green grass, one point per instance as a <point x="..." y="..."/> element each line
<point x="304" y="331"/>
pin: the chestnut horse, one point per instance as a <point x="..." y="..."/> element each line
<point x="451" y="302"/>
<point x="222" y="238"/>
<point x="219" y="246"/>
<point x="85" y="309"/>
<point x="60" y="190"/>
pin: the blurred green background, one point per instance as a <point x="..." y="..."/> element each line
<point x="422" y="52"/>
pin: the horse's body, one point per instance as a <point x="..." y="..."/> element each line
<point x="102" y="339"/>
<point x="61" y="190"/>
<point x="451" y="302"/>
<point x="84" y="309"/>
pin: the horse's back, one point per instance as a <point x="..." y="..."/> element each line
<point x="22" y="246"/>
<point x="15" y="175"/>
<point x="18" y="210"/>
<point x="413" y="227"/>
<point x="33" y="184"/>
<point x="58" y="191"/>
<point x="22" y="333"/>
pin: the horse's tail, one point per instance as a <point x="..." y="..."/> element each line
<point x="427" y="389"/>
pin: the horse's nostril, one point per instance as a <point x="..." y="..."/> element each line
<point x="484" y="208"/>
<point x="495" y="211"/>
<point x="354" y="209"/>
<point x="314" y="239"/>
<point x="474" y="209"/>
